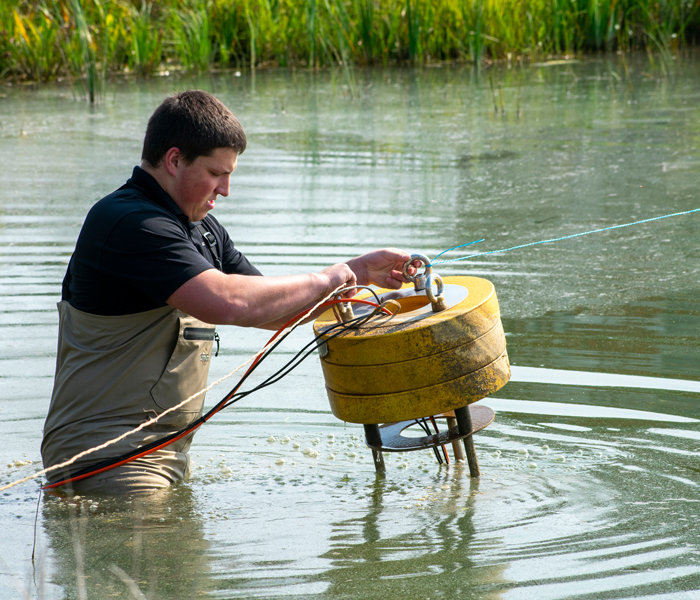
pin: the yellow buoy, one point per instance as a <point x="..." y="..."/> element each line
<point x="418" y="362"/>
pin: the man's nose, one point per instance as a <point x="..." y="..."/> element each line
<point x="224" y="186"/>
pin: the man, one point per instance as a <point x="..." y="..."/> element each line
<point x="151" y="274"/>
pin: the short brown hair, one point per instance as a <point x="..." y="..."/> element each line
<point x="195" y="122"/>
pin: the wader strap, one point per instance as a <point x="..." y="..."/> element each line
<point x="211" y="242"/>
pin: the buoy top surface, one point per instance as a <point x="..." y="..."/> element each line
<point x="461" y="293"/>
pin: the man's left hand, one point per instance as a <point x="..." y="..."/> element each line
<point x="382" y="267"/>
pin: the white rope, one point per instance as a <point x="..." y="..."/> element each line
<point x="155" y="419"/>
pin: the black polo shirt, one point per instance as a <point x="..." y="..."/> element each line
<point x="136" y="247"/>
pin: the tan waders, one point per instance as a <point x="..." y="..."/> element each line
<point x="112" y="374"/>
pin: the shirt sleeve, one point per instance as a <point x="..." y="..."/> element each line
<point x="131" y="256"/>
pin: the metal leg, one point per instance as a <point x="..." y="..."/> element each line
<point x="464" y="425"/>
<point x="457" y="447"/>
<point x="374" y="438"/>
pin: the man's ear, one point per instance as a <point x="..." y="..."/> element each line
<point x="172" y="159"/>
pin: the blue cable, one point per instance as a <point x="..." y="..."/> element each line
<point x="559" y="239"/>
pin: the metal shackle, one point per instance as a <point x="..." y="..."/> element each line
<point x="419" y="279"/>
<point x="434" y="298"/>
<point x="344" y="308"/>
<point x="424" y="282"/>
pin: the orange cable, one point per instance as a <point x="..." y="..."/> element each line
<point x="221" y="403"/>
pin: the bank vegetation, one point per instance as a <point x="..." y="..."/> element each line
<point x="42" y="40"/>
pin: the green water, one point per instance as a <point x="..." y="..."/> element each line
<point x="589" y="485"/>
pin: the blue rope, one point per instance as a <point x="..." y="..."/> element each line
<point x="559" y="239"/>
<point x="432" y="262"/>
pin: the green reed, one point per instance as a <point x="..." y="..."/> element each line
<point x="229" y="43"/>
<point x="91" y="39"/>
<point x="342" y="28"/>
<point x="145" y="40"/>
<point x="364" y="31"/>
<point x="33" y="49"/>
<point x="603" y="23"/>
<point x="83" y="54"/>
<point x="472" y="13"/>
<point x="193" y="35"/>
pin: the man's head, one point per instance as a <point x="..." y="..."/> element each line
<point x="191" y="148"/>
<point x="196" y="123"/>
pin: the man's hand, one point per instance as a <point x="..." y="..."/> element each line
<point x="340" y="275"/>
<point x="382" y="267"/>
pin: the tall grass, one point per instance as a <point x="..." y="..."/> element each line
<point x="143" y="40"/>
<point x="35" y="50"/>
<point x="91" y="39"/>
<point x="83" y="58"/>
<point x="193" y="35"/>
<point x="474" y="29"/>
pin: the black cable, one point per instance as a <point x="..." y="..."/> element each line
<point x="301" y="355"/>
<point x="233" y="395"/>
<point x="426" y="429"/>
<point x="444" y="450"/>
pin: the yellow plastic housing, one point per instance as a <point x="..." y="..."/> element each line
<point x="417" y="363"/>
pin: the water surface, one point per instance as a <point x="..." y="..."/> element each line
<point x="589" y="484"/>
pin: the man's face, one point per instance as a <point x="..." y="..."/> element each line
<point x="197" y="184"/>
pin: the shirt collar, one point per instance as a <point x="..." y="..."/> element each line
<point x="143" y="180"/>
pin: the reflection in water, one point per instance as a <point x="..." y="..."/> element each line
<point x="646" y="337"/>
<point x="119" y="547"/>
<point x="648" y="331"/>
<point x="374" y="557"/>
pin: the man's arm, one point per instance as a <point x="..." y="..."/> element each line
<point x="256" y="301"/>
<point x="253" y="301"/>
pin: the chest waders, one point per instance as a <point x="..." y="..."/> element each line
<point x="115" y="372"/>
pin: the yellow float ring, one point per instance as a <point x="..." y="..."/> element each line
<point x="421" y="402"/>
<point x="417" y="363"/>
<point x="404" y="375"/>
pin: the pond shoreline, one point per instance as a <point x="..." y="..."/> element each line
<point x="41" y="40"/>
